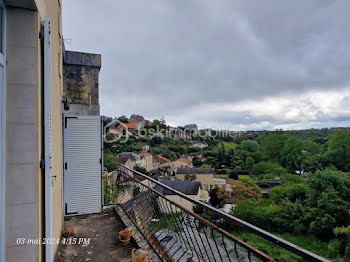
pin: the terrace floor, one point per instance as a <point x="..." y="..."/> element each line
<point x="102" y="230"/>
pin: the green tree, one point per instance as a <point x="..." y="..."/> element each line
<point x="249" y="162"/>
<point x="190" y="177"/>
<point x="109" y="161"/>
<point x="140" y="169"/>
<point x="292" y="154"/>
<point x="338" y="152"/>
<point x="213" y="194"/>
<point x="263" y="167"/>
<point x="196" y="162"/>
<point x="123" y="119"/>
<point x="313" y="163"/>
<point x="250" y="146"/>
<point x="272" y="146"/>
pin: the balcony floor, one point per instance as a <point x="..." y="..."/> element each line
<point x="102" y="229"/>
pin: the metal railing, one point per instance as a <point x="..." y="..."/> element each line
<point x="178" y="234"/>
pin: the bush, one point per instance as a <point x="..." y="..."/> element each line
<point x="250" y="145"/>
<point x="263" y="167"/>
<point x="292" y="192"/>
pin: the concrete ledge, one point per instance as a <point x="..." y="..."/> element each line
<point x="79" y="58"/>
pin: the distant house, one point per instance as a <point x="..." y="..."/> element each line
<point x="131" y="159"/>
<point x="198" y="155"/>
<point x="116" y="131"/>
<point x="189" y="188"/>
<point x="126" y="126"/>
<point x="126" y="161"/>
<point x="147" y="160"/>
<point x="180" y="163"/>
<point x="203" y="175"/>
<point x="137" y="120"/>
<point x="145" y="148"/>
<point x="161" y="161"/>
<point x="200" y="144"/>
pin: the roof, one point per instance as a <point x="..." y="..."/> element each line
<point x="162" y="158"/>
<point x="127" y="125"/>
<point x="186" y="187"/>
<point x="195" y="154"/>
<point x="130" y="154"/>
<point x="140" y="178"/>
<point x="122" y="159"/>
<point x="185" y="160"/>
<point x="145" y="154"/>
<point x="199" y="170"/>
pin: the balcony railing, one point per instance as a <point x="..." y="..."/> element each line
<point x="178" y="234"/>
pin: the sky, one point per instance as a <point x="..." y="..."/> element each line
<point x="239" y="65"/>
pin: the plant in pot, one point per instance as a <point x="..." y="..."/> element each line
<point x="124" y="236"/>
<point x="139" y="255"/>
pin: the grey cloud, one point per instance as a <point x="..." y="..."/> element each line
<point x="171" y="58"/>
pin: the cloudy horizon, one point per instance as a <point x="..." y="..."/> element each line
<point x="239" y="65"/>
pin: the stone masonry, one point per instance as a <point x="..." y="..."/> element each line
<point x="80" y="82"/>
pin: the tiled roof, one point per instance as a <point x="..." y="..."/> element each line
<point x="145" y="154"/>
<point x="122" y="159"/>
<point x="185" y="160"/>
<point x="128" y="125"/>
<point x="162" y="158"/>
<point x="186" y="187"/>
<point x="200" y="170"/>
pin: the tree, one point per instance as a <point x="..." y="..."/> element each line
<point x="250" y="146"/>
<point x="196" y="162"/>
<point x="109" y="161"/>
<point x="140" y="169"/>
<point x="272" y="145"/>
<point x="235" y="191"/>
<point x="338" y="152"/>
<point x="190" y="177"/>
<point x="123" y="119"/>
<point x="313" y="163"/>
<point x="292" y="154"/>
<point x="249" y="162"/>
<point x="213" y="194"/>
<point x="263" y="167"/>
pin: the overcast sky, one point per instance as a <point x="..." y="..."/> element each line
<point x="222" y="64"/>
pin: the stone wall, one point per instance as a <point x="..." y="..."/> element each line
<point x="80" y="82"/>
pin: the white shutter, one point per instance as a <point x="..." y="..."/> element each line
<point x="82" y="154"/>
<point x="47" y="138"/>
<point x="2" y="131"/>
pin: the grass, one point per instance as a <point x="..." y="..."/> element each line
<point x="307" y="242"/>
<point x="244" y="177"/>
<point x="220" y="176"/>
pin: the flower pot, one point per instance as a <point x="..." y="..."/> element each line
<point x="69" y="231"/>
<point x="124" y="236"/>
<point x="139" y="255"/>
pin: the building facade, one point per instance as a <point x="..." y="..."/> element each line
<point x="31" y="198"/>
<point x="203" y="175"/>
<point x="32" y="96"/>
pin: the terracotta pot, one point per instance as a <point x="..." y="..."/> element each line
<point x="124" y="234"/>
<point x="139" y="255"/>
<point x="124" y="242"/>
<point x="69" y="231"/>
